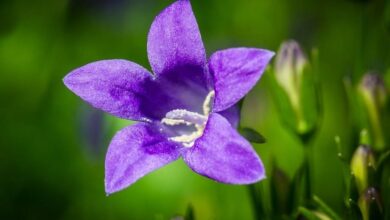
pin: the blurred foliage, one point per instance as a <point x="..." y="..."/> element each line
<point x="52" y="159"/>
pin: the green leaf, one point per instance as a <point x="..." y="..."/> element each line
<point x="296" y="189"/>
<point x="383" y="158"/>
<point x="324" y="207"/>
<point x="310" y="99"/>
<point x="309" y="215"/>
<point x="252" y="136"/>
<point x="256" y="195"/>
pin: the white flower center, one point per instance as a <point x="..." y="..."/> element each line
<point x="180" y="117"/>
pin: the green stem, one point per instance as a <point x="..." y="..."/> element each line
<point x="258" y="207"/>
<point x="307" y="167"/>
<point x="308" y="173"/>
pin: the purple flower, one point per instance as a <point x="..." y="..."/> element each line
<point x="185" y="109"/>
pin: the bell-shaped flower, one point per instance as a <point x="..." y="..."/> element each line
<point x="185" y="109"/>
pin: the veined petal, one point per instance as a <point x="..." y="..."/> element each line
<point x="174" y="40"/>
<point x="129" y="91"/>
<point x="224" y="155"/>
<point x="134" y="152"/>
<point x="235" y="71"/>
<point x="232" y="114"/>
<point x="111" y="85"/>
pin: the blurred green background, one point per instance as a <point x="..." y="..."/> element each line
<point x="52" y="145"/>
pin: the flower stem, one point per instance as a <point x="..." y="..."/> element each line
<point x="306" y="169"/>
<point x="308" y="174"/>
<point x="258" y="207"/>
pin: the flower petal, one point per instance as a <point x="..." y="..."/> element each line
<point x="129" y="91"/>
<point x="174" y="39"/>
<point x="184" y="86"/>
<point x="134" y="152"/>
<point x="224" y="155"/>
<point x="111" y="85"/>
<point x="235" y="71"/>
<point x="232" y="114"/>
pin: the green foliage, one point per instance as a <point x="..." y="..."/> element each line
<point x="48" y="171"/>
<point x="190" y="214"/>
<point x="252" y="136"/>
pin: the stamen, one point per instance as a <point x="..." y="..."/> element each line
<point x="188" y="140"/>
<point x="192" y="117"/>
<point x="208" y="102"/>
<point x="170" y="121"/>
<point x="188" y="118"/>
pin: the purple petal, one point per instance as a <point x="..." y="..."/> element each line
<point x="235" y="72"/>
<point x="224" y="155"/>
<point x="184" y="87"/>
<point x="177" y="56"/>
<point x="174" y="39"/>
<point x="129" y="91"/>
<point x="134" y="152"/>
<point x="111" y="85"/>
<point x="232" y="114"/>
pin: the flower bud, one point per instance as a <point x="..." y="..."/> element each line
<point x="293" y="76"/>
<point x="374" y="96"/>
<point x="370" y="204"/>
<point x="290" y="64"/>
<point x="361" y="164"/>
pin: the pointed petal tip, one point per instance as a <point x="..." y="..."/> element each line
<point x="69" y="82"/>
<point x="256" y="179"/>
<point x="109" y="191"/>
<point x="66" y="78"/>
<point x="261" y="177"/>
<point x="174" y="39"/>
<point x="269" y="54"/>
<point x="110" y="188"/>
<point x="71" y="79"/>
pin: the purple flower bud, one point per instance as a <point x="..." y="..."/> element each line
<point x="370" y="204"/>
<point x="296" y="88"/>
<point x="374" y="97"/>
<point x="374" y="84"/>
<point x="290" y="64"/>
<point x="290" y="57"/>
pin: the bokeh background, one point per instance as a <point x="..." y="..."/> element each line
<point x="52" y="144"/>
